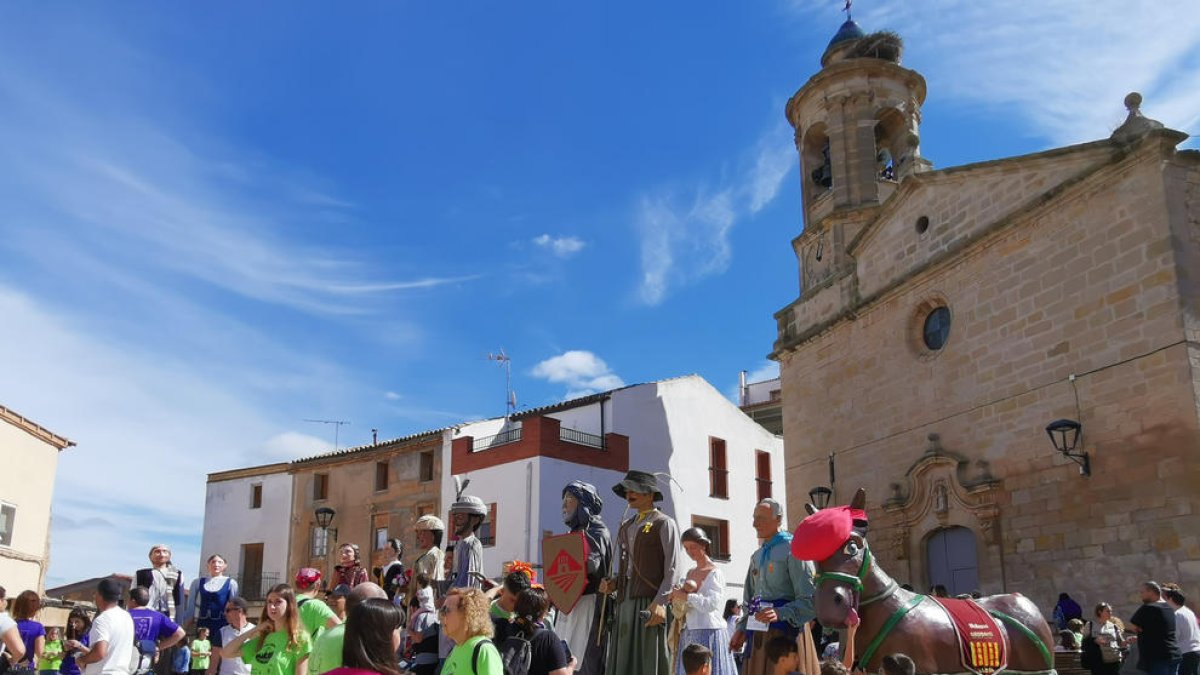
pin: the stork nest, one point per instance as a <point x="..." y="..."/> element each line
<point x="880" y="45"/>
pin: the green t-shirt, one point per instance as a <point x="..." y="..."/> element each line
<point x="200" y="660"/>
<point x="459" y="661"/>
<point x="498" y="612"/>
<point x="274" y="657"/>
<point x="52" y="656"/>
<point x="327" y="650"/>
<point x="314" y="614"/>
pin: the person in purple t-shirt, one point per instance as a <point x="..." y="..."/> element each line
<point x="33" y="634"/>
<point x="153" y="631"/>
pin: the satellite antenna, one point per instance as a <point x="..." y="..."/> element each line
<point x="510" y="396"/>
<point x="337" y="429"/>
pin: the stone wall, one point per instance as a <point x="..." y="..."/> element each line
<point x="1088" y="284"/>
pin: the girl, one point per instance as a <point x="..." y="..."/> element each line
<point x="371" y="640"/>
<point x="549" y="657"/>
<point x="279" y="644"/>
<point x="350" y="571"/>
<point x="33" y="634"/>
<point x="52" y="652"/>
<point x="201" y="651"/>
<point x="78" y="625"/>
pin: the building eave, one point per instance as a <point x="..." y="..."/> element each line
<point x="34" y="429"/>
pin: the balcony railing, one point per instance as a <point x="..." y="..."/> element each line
<point x="256" y="587"/>
<point x="503" y="438"/>
<point x="580" y="437"/>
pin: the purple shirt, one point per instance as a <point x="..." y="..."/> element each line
<point x="151" y="625"/>
<point x="69" y="667"/>
<point x="30" y="631"/>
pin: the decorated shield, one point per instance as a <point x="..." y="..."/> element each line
<point x="564" y="559"/>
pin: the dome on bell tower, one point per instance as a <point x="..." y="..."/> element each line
<point x="849" y="31"/>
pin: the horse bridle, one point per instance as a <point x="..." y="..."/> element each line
<point x="857" y="581"/>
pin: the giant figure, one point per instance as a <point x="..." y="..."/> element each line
<point x="781" y="585"/>
<point x="581" y="508"/>
<point x="649" y="564"/>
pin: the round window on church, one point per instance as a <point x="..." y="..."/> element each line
<point x="937" y="328"/>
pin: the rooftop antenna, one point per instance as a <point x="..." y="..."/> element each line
<point x="510" y="396"/>
<point x="337" y="429"/>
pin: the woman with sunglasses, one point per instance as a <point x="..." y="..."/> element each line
<point x="466" y="620"/>
<point x="279" y="644"/>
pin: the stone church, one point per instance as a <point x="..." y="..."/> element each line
<point x="1004" y="354"/>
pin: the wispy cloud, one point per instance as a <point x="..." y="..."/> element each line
<point x="562" y="247"/>
<point x="581" y="371"/>
<point x="1062" y="67"/>
<point x="684" y="232"/>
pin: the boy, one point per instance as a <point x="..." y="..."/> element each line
<point x="201" y="651"/>
<point x="783" y="655"/>
<point x="181" y="660"/>
<point x="696" y="660"/>
<point x="898" y="664"/>
<point x="52" y="652"/>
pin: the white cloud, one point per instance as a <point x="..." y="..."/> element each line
<point x="582" y="371"/>
<point x="392" y="396"/>
<point x="1061" y="67"/>
<point x="562" y="247"/>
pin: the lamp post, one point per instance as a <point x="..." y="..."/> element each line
<point x="324" y="517"/>
<point x="1065" y="434"/>
<point x="820" y="496"/>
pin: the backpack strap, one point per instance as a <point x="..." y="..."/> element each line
<point x="475" y="655"/>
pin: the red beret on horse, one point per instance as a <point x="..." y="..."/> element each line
<point x="941" y="635"/>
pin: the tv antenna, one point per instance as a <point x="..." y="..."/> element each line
<point x="510" y="396"/>
<point x="337" y="429"/>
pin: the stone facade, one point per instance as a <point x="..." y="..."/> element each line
<point x="350" y="489"/>
<point x="1071" y="278"/>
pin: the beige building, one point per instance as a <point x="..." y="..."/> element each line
<point x="947" y="317"/>
<point x="30" y="454"/>
<point x="376" y="491"/>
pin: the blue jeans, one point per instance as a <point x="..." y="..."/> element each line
<point x="1162" y="667"/>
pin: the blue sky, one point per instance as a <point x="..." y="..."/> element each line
<point x="218" y="219"/>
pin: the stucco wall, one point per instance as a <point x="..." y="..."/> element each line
<point x="229" y="522"/>
<point x="26" y="482"/>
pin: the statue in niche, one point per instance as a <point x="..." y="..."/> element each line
<point x="941" y="501"/>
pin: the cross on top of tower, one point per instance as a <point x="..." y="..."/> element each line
<point x="846" y="9"/>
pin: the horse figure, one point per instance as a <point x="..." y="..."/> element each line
<point x="895" y="620"/>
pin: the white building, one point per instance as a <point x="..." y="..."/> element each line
<point x="30" y="455"/>
<point x="720" y="460"/>
<point x="247" y="520"/>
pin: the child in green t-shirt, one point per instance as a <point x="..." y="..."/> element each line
<point x="52" y="652"/>
<point x="201" y="651"/>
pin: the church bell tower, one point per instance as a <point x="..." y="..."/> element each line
<point x="856" y="124"/>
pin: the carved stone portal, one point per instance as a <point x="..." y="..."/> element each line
<point x="944" y="489"/>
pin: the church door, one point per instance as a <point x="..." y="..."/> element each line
<point x="953" y="561"/>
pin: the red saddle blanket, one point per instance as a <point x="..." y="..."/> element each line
<point x="981" y="641"/>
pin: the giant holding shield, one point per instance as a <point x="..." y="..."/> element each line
<point x="575" y="565"/>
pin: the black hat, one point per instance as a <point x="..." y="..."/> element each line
<point x="638" y="481"/>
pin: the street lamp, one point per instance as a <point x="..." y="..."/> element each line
<point x="820" y="496"/>
<point x="324" y="517"/>
<point x="1064" y="434"/>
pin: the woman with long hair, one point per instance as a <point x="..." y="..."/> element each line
<point x="702" y="595"/>
<point x="33" y="633"/>
<point x="465" y="619"/>
<point x="371" y="640"/>
<point x="279" y="644"/>
<point x="547" y="654"/>
<point x="11" y="647"/>
<point x="350" y="570"/>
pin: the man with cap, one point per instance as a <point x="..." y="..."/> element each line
<point x="314" y="614"/>
<point x="783" y="584"/>
<point x="467" y="515"/>
<point x="581" y="509"/>
<point x="429" y="530"/>
<point x="648" y="545"/>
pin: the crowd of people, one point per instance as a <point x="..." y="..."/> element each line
<point x="643" y="611"/>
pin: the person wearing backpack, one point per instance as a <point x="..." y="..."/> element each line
<point x="531" y="648"/>
<point x="314" y="614"/>
<point x="465" y="620"/>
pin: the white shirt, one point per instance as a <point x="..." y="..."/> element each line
<point x="115" y="627"/>
<point x="1187" y="633"/>
<point x="706" y="607"/>
<point x="234" y="666"/>
<point x="6" y="624"/>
